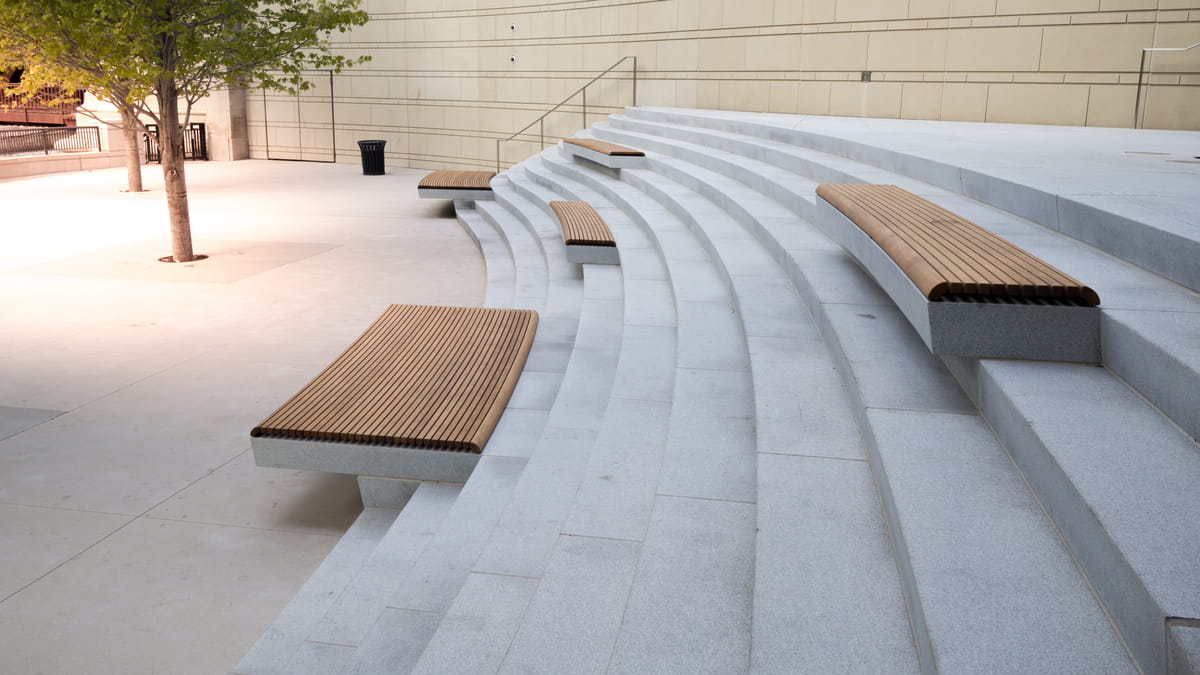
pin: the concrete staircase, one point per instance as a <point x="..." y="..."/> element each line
<point x="732" y="454"/>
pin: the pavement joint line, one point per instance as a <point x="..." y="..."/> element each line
<point x="806" y="456"/>
<point x="704" y="499"/>
<point x="132" y="520"/>
<point x="67" y="508"/>
<point x="240" y="527"/>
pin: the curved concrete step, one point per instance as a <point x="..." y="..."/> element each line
<point x="787" y="634"/>
<point x="1146" y="320"/>
<point x="1037" y="591"/>
<point x="442" y="580"/>
<point x="331" y="644"/>
<point x="286" y="636"/>
<point x="483" y="618"/>
<point x="697" y="573"/>
<point x="1118" y="479"/>
<point x="529" y="261"/>
<point x="1147" y="217"/>
<point x="497" y="259"/>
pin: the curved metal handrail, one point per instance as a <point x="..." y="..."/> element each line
<point x="541" y="121"/>
<point x="1137" y="99"/>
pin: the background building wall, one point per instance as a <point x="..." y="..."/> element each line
<point x="449" y="77"/>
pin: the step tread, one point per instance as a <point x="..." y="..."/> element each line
<point x="354" y="611"/>
<point x="271" y="653"/>
<point x="498" y="263"/>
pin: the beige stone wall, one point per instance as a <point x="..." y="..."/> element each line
<point x="449" y="77"/>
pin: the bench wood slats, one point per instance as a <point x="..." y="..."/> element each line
<point x="457" y="180"/>
<point x="946" y="256"/>
<point x="423" y="376"/>
<point x="605" y="148"/>
<point x="581" y="225"/>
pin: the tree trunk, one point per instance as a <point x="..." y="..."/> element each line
<point x="133" y="156"/>
<point x="170" y="148"/>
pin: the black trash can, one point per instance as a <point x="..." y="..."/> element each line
<point x="372" y="157"/>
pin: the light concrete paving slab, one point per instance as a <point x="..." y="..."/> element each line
<point x="711" y="449"/>
<point x="572" y="622"/>
<point x="438" y="575"/>
<point x="275" y="646"/>
<point x="1006" y="596"/>
<point x="551" y="357"/>
<point x="316" y="658"/>
<point x="36" y="540"/>
<point x="801" y="406"/>
<point x="146" y="419"/>
<point x="522" y="539"/>
<point x="478" y="628"/>
<point x="1158" y="353"/>
<point x="648" y="302"/>
<point x="206" y="582"/>
<point x="350" y="618"/>
<point x="824" y="571"/>
<point x="710" y="337"/>
<point x="517" y="432"/>
<point x="770" y="307"/>
<point x="535" y="390"/>
<point x="689" y="610"/>
<point x="242" y="494"/>
<point x="616" y="492"/>
<point x="646" y="366"/>
<point x="158" y="436"/>
<point x="409" y="632"/>
<point x="231" y="260"/>
<point x="1184" y="657"/>
<point x="1107" y="485"/>
<point x="15" y="420"/>
<point x="872" y="337"/>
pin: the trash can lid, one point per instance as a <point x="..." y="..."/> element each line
<point x="372" y="142"/>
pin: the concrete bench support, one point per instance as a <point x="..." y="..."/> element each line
<point x="469" y="186"/>
<point x="415" y="397"/>
<point x="1004" y="315"/>
<point x="586" y="236"/>
<point x="606" y="154"/>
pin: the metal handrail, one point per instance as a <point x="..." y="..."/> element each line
<point x="541" y="121"/>
<point x="1137" y="99"/>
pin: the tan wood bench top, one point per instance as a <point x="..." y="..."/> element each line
<point x="424" y="376"/>
<point x="581" y="225"/>
<point x="946" y="256"/>
<point x="611" y="149"/>
<point x="458" y="180"/>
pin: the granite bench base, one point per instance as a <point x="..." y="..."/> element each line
<point x="457" y="194"/>
<point x="611" y="161"/>
<point x="387" y="475"/>
<point x="984" y="329"/>
<point x="601" y="255"/>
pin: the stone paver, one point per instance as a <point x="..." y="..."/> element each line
<point x="133" y="523"/>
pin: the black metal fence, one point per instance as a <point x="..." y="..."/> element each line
<point x="26" y="140"/>
<point x="195" y="142"/>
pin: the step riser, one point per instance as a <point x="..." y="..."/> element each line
<point x="1164" y="366"/>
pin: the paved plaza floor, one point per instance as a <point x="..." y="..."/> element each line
<point x="136" y="533"/>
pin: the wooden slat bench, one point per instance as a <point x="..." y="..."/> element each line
<point x="415" y="397"/>
<point x="603" y="153"/>
<point x="967" y="291"/>
<point x="458" y="185"/>
<point x="586" y="236"/>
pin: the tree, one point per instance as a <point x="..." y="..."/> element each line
<point x="146" y="57"/>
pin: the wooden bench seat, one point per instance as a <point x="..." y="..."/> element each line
<point x="967" y="291"/>
<point x="416" y="396"/>
<point x="459" y="185"/>
<point x="585" y="234"/>
<point x="604" y="153"/>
